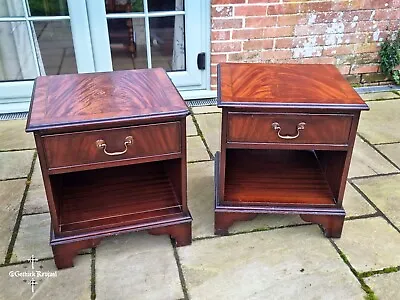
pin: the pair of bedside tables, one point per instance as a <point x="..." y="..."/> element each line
<point x="112" y="149"/>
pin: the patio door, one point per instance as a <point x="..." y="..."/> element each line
<point x="49" y="37"/>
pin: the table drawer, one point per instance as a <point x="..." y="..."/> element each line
<point x="98" y="146"/>
<point x="288" y="128"/>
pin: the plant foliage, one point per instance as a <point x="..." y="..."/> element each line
<point x="390" y="57"/>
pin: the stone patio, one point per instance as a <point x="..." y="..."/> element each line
<point x="270" y="257"/>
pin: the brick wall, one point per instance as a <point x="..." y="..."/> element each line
<point x="342" y="32"/>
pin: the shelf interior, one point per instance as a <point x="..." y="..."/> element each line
<point x="282" y="177"/>
<point x="108" y="197"/>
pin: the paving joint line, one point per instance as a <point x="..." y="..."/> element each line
<point x="16" y="263"/>
<point x="35" y="213"/>
<point x="20" y="212"/>
<point x="374" y="176"/>
<point x="180" y="271"/>
<point x="199" y="161"/>
<point x="93" y="274"/>
<point x="367" y="289"/>
<point x="387" y="270"/>
<point x="200" y="133"/>
<point x="16" y="150"/>
<point x="387" y="143"/>
<point x="377" y="150"/>
<point x="367" y="216"/>
<point x="14" y="178"/>
<point x="381" y="214"/>
<point x="251" y="231"/>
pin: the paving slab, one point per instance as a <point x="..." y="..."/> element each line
<point x="264" y="221"/>
<point x="196" y="150"/>
<point x="379" y="96"/>
<point x="72" y="283"/>
<point x="370" y="244"/>
<point x="384" y="192"/>
<point x="33" y="238"/>
<point x="385" y="286"/>
<point x="367" y="161"/>
<point x="210" y="126"/>
<point x="11" y="193"/>
<point x="380" y="124"/>
<point x="201" y="198"/>
<point x="137" y="265"/>
<point x="285" y="263"/>
<point x="15" y="164"/>
<point x="354" y="204"/>
<point x="206" y="109"/>
<point x="14" y="137"/>
<point x="35" y="201"/>
<point x="190" y="127"/>
<point x="392" y="151"/>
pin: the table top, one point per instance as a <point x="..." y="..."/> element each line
<point x="83" y="99"/>
<point x="285" y="86"/>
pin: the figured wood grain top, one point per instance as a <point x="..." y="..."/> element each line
<point x="81" y="99"/>
<point x="285" y="86"/>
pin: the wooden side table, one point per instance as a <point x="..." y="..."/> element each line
<point x="112" y="149"/>
<point x="288" y="133"/>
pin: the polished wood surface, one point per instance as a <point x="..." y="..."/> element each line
<point x="287" y="137"/>
<point x="112" y="150"/>
<point x="82" y="99"/>
<point x="148" y="141"/>
<point x="318" y="128"/>
<point x="285" y="86"/>
<point x="269" y="177"/>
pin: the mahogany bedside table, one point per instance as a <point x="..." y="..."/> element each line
<point x="112" y="149"/>
<point x="287" y="137"/>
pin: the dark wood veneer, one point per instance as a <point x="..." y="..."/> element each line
<point x="287" y="137"/>
<point x="112" y="149"/>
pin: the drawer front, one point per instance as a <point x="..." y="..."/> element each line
<point x="289" y="128"/>
<point x="89" y="147"/>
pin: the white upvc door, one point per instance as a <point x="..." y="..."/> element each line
<point x="68" y="36"/>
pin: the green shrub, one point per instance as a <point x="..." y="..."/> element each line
<point x="390" y="57"/>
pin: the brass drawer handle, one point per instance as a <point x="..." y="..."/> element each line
<point x="277" y="127"/>
<point x="101" y="144"/>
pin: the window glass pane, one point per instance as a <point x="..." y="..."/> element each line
<point x="166" y="5"/>
<point x="47" y="7"/>
<point x="168" y="43"/>
<point x="121" y="6"/>
<point x="128" y="43"/>
<point x="11" y="8"/>
<point x="17" y="60"/>
<point x="56" y="51"/>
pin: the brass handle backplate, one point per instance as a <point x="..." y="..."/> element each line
<point x="277" y="127"/>
<point x="101" y="144"/>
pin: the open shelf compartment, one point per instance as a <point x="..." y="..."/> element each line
<point x="116" y="196"/>
<point x="275" y="177"/>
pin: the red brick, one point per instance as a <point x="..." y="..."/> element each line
<point x="282" y="9"/>
<point x="311" y="29"/>
<point x="220" y="35"/>
<point x="226" y="46"/>
<point x="318" y="60"/>
<point x="262" y="1"/>
<point x="358" y="69"/>
<point x="216" y="2"/>
<point x="260" y="22"/>
<point x="316" y="6"/>
<point x="246" y="34"/>
<point x="218" y="58"/>
<point x="357" y="15"/>
<point x="299" y="41"/>
<point x="226" y="23"/>
<point x="278" y="31"/>
<point x="368" y="4"/>
<point x="249" y="56"/>
<point x="221" y="11"/>
<point x="285" y="20"/>
<point x="283" y="43"/>
<point x="276" y="54"/>
<point x="344" y="69"/>
<point x="258" y="44"/>
<point x="213" y="80"/>
<point x="365" y="48"/>
<point x="213" y="69"/>
<point x="338" y="50"/>
<point x="250" y="10"/>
